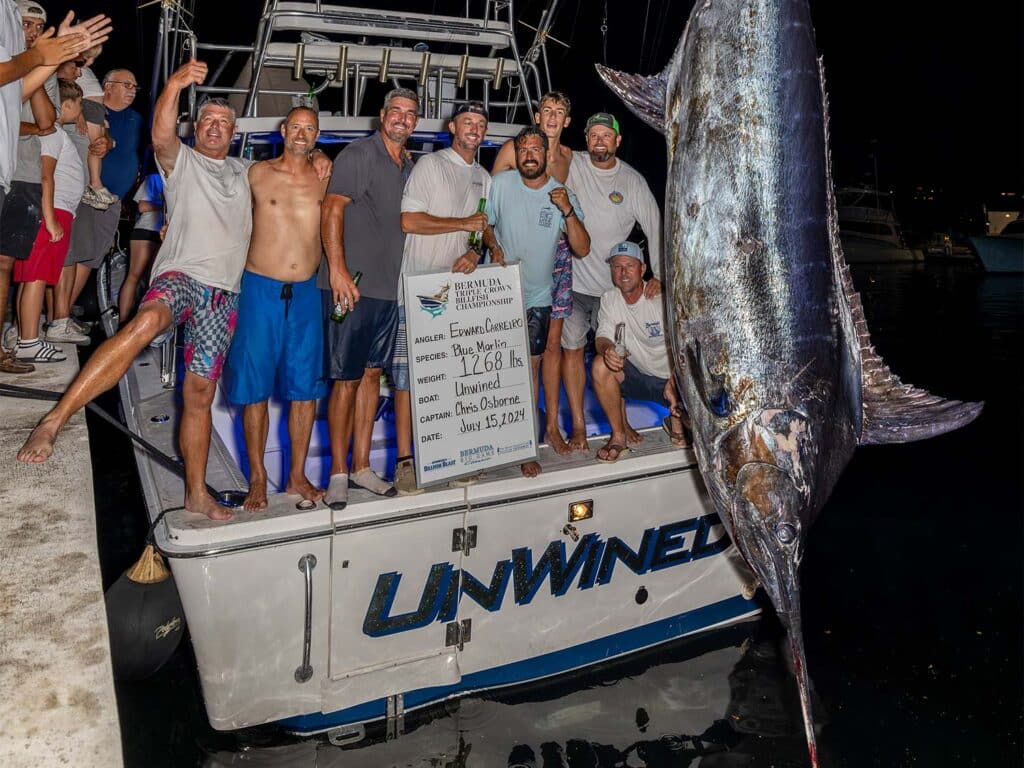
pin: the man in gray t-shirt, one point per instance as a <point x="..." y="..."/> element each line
<point x="364" y="201"/>
<point x="196" y="278"/>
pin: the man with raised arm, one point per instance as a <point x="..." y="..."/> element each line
<point x="615" y="197"/>
<point x="443" y="191"/>
<point x="278" y="345"/>
<point x="529" y="212"/>
<point x="195" y="279"/>
<point x="552" y="117"/>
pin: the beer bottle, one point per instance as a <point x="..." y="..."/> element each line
<point x="476" y="239"/>
<point x="340" y="311"/>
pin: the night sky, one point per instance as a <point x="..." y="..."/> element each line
<point x="933" y="90"/>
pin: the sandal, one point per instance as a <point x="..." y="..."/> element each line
<point x="678" y="438"/>
<point x="612" y="451"/>
<point x="8" y="364"/>
<point x="38" y="352"/>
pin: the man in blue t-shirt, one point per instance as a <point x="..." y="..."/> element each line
<point x="94" y="229"/>
<point x="529" y="211"/>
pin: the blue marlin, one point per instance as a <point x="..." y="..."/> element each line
<point x="770" y="348"/>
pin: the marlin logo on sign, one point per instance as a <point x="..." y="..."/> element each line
<point x="435" y="305"/>
<point x="591" y="564"/>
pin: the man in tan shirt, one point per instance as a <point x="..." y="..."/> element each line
<point x="278" y="344"/>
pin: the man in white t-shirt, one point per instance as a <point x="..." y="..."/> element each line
<point x="614" y="197"/>
<point x="439" y="214"/>
<point x="633" y="363"/>
<point x="195" y="279"/>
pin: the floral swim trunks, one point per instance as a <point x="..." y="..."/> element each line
<point x="561" y="281"/>
<point x="209" y="315"/>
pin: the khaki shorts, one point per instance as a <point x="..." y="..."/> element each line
<point x="583" y="319"/>
<point x="92" y="236"/>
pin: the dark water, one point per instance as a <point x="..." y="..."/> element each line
<point x="912" y="604"/>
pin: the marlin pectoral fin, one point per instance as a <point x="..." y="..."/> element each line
<point x="645" y="96"/>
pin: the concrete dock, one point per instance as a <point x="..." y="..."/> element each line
<point x="57" y="705"/>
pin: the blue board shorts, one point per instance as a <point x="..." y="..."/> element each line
<point x="279" y="342"/>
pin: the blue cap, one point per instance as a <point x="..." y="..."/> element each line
<point x="626" y="248"/>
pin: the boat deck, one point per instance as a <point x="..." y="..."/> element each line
<point x="58" y="706"/>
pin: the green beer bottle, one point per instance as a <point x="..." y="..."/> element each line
<point x="476" y="239"/>
<point x="340" y="311"/>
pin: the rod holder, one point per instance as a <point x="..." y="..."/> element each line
<point x="499" y="68"/>
<point x="300" y="61"/>
<point x="424" y="69"/>
<point x="341" y="72"/>
<point x="385" y="62"/>
<point x="460" y="78"/>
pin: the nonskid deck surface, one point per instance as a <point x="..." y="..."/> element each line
<point x="155" y="409"/>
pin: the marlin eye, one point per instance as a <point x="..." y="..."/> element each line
<point x="711" y="389"/>
<point x="785" y="533"/>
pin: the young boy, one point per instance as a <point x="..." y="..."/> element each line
<point x="94" y="116"/>
<point x="63" y="182"/>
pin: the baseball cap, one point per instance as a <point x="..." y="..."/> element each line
<point x="31" y="10"/>
<point x="626" y="248"/>
<point x="473" y="107"/>
<point x="606" y="119"/>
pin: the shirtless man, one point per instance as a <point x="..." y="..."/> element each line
<point x="552" y="117"/>
<point x="279" y="338"/>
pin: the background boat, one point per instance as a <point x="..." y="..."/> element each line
<point x="868" y="227"/>
<point x="1002" y="253"/>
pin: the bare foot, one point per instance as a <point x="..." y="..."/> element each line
<point x="305" y="489"/>
<point x="530" y="469"/>
<point x="256" y="499"/>
<point x="205" y="504"/>
<point x="578" y="442"/>
<point x="39" y="446"/>
<point x="553" y="437"/>
<point x="632" y="436"/>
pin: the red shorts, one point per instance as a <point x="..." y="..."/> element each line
<point x="46" y="259"/>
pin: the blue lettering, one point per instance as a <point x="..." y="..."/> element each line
<point x="379" y="623"/>
<point x="670" y="537"/>
<point x="701" y="548"/>
<point x="527" y="580"/>
<point x="489" y="598"/>
<point x="616" y="549"/>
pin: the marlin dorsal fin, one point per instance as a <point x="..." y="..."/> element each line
<point x="645" y="96"/>
<point x="891" y="411"/>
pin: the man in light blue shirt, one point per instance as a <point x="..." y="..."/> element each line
<point x="529" y="210"/>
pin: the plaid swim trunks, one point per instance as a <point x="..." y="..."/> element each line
<point x="561" y="281"/>
<point x="209" y="315"/>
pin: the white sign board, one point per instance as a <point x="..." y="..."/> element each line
<point x="473" y="406"/>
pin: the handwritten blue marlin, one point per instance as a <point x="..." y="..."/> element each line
<point x="769" y="342"/>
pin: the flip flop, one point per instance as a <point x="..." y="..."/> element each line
<point x="678" y="438"/>
<point x="619" y="451"/>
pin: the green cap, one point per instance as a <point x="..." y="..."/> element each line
<point x="606" y="119"/>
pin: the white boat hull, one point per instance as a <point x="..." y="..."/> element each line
<point x="389" y="593"/>
<point x="1003" y="255"/>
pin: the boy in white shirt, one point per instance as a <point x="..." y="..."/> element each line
<point x="63" y="182"/>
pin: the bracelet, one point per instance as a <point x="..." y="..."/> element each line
<point x="570" y="214"/>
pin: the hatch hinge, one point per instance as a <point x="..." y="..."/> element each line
<point x="458" y="633"/>
<point x="464" y="539"/>
<point x="395" y="725"/>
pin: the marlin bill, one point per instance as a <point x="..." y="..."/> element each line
<point x="769" y="342"/>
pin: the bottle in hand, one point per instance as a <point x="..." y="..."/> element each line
<point x="476" y="239"/>
<point x="340" y="311"/>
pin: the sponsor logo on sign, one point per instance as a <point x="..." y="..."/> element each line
<point x="435" y="305"/>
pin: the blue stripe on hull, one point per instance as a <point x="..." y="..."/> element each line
<point x="539" y="667"/>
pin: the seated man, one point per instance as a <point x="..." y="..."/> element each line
<point x="646" y="374"/>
